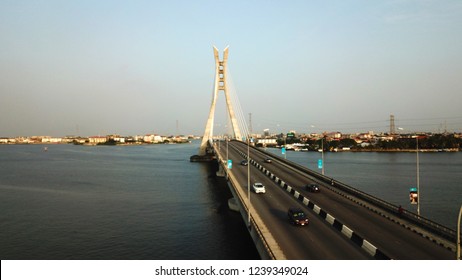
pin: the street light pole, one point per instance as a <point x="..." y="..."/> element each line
<point x="227" y="158"/>
<point x="322" y="154"/>
<point x="248" y="178"/>
<point x="458" y="234"/>
<point x="417" y="170"/>
<point x="418" y="174"/>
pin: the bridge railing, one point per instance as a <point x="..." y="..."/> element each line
<point x="255" y="225"/>
<point x="403" y="214"/>
<point x="429" y="225"/>
<point x="252" y="220"/>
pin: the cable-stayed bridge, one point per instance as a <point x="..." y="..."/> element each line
<point x="344" y="223"/>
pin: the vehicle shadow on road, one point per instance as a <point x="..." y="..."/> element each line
<point x="280" y="214"/>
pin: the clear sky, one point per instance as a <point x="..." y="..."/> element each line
<point x="137" y="67"/>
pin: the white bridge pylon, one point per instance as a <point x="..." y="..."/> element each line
<point x="220" y="84"/>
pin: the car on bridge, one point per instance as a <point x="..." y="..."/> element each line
<point x="268" y="160"/>
<point x="312" y="187"/>
<point x="297" y="216"/>
<point x="258" y="188"/>
<point x="244" y="162"/>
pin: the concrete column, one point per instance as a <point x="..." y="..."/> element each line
<point x="220" y="83"/>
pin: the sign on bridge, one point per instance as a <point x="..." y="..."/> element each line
<point x="230" y="164"/>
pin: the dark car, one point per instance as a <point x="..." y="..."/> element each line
<point x="297" y="216"/>
<point x="312" y="188"/>
<point x="244" y="162"/>
<point x="268" y="160"/>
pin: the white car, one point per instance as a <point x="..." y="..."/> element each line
<point x="258" y="188"/>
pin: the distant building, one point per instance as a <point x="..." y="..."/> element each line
<point x="117" y="138"/>
<point x="334" y="135"/>
<point x="153" y="138"/>
<point x="267" y="142"/>
<point x="97" y="139"/>
<point x="51" y="140"/>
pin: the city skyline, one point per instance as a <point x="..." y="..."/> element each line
<point x="258" y="134"/>
<point x="88" y="68"/>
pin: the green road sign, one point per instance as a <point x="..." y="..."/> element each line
<point x="320" y="163"/>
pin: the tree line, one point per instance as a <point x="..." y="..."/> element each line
<point x="430" y="142"/>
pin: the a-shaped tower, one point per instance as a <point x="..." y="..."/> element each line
<point x="220" y="84"/>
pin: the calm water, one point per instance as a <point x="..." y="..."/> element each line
<point x="131" y="202"/>
<point x="150" y="202"/>
<point x="390" y="175"/>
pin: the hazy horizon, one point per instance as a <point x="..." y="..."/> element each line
<point x="138" y="67"/>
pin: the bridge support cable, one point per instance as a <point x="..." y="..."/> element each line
<point x="237" y="106"/>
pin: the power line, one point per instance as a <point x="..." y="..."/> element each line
<point x="383" y="125"/>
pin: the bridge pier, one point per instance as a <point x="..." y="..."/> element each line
<point x="220" y="172"/>
<point x="208" y="156"/>
<point x="232" y="205"/>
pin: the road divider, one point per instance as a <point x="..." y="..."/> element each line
<point x="367" y="246"/>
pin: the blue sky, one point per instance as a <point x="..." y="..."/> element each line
<point x="137" y="67"/>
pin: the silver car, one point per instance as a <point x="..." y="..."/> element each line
<point x="258" y="188"/>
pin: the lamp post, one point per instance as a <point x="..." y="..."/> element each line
<point x="227" y="158"/>
<point x="248" y="178"/>
<point x="417" y="170"/>
<point x="322" y="154"/>
<point x="458" y="234"/>
<point x="418" y="174"/>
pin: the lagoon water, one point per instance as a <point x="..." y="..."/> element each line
<point x="150" y="202"/>
<point x="115" y="202"/>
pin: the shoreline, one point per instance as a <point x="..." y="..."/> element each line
<point x="450" y="150"/>
<point x="96" y="144"/>
<point x="407" y="151"/>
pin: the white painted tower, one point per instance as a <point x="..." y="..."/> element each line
<point x="220" y="84"/>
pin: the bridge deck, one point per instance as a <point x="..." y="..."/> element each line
<point x="341" y="227"/>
